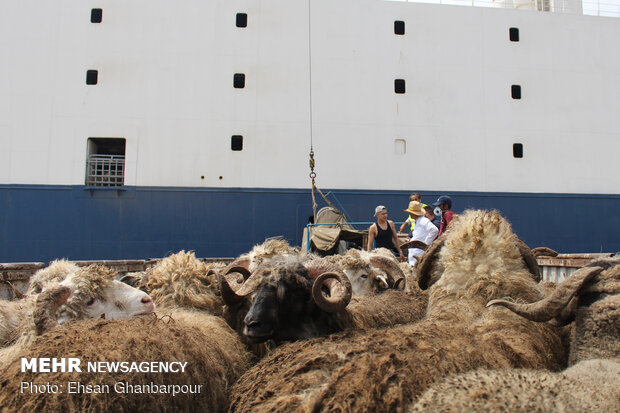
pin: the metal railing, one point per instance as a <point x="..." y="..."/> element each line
<point x="105" y="170"/>
<point x="336" y="224"/>
<point x="606" y="8"/>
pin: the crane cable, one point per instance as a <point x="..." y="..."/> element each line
<point x="312" y="173"/>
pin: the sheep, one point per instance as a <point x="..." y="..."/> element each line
<point x="264" y="252"/>
<point x="184" y="331"/>
<point x="589" y="386"/>
<point x="283" y="300"/>
<point x="592" y="382"/>
<point x="181" y="280"/>
<point x="57" y="271"/>
<point x="208" y="356"/>
<point x="369" y="272"/>
<point x="479" y="259"/>
<point x="95" y="294"/>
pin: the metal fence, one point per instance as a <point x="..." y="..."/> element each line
<point x="105" y="170"/>
<point x="557" y="269"/>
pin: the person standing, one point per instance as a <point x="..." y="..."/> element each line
<point x="431" y="216"/>
<point x="445" y="204"/>
<point x="409" y="221"/>
<point x="423" y="231"/>
<point x="383" y="233"/>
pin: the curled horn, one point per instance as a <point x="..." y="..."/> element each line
<point x="544" y="252"/>
<point x="46" y="306"/>
<point x="529" y="259"/>
<point x="554" y="304"/>
<point x="396" y="277"/>
<point x="232" y="291"/>
<point x="425" y="264"/>
<point x="241" y="266"/>
<point x="340" y="291"/>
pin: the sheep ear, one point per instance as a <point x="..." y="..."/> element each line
<point x="46" y="306"/>
<point x="426" y="263"/>
<point x="132" y="279"/>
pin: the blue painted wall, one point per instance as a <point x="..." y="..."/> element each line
<point x="42" y="223"/>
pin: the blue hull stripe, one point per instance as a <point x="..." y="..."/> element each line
<point x="42" y="223"/>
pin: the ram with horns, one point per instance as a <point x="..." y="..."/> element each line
<point x="290" y="298"/>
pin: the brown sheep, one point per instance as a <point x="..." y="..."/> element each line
<point x="182" y="280"/>
<point x="384" y="370"/>
<point x="592" y="296"/>
<point x="213" y="353"/>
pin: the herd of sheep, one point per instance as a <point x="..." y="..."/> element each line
<point x="469" y="328"/>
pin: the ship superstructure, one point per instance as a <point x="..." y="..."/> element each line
<point x="136" y="129"/>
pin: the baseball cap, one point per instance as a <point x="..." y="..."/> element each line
<point x="443" y="200"/>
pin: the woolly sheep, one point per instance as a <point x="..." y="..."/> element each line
<point x="283" y="300"/>
<point x="369" y="272"/>
<point x="182" y="280"/>
<point x="264" y="252"/>
<point x="94" y="294"/>
<point x="213" y="354"/>
<point x="589" y="386"/>
<point x="384" y="370"/>
<point x="592" y="296"/>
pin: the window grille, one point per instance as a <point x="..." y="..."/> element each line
<point x="105" y="170"/>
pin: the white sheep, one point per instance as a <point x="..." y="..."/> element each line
<point x="94" y="294"/>
<point x="369" y="272"/>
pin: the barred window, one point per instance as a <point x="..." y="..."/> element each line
<point x="105" y="163"/>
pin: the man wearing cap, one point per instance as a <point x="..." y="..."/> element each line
<point x="423" y="231"/>
<point x="445" y="204"/>
<point x="383" y="233"/>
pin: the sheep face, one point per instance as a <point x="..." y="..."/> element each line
<point x="363" y="281"/>
<point x="358" y="270"/>
<point x="95" y="294"/>
<point x="282" y="299"/>
<point x="370" y="272"/>
<point x="285" y="299"/>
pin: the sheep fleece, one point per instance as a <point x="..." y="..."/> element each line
<point x="214" y="356"/>
<point x="384" y="370"/>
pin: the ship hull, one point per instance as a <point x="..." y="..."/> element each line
<point x="42" y="223"/>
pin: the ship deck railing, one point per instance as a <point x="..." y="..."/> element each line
<point x="309" y="226"/>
